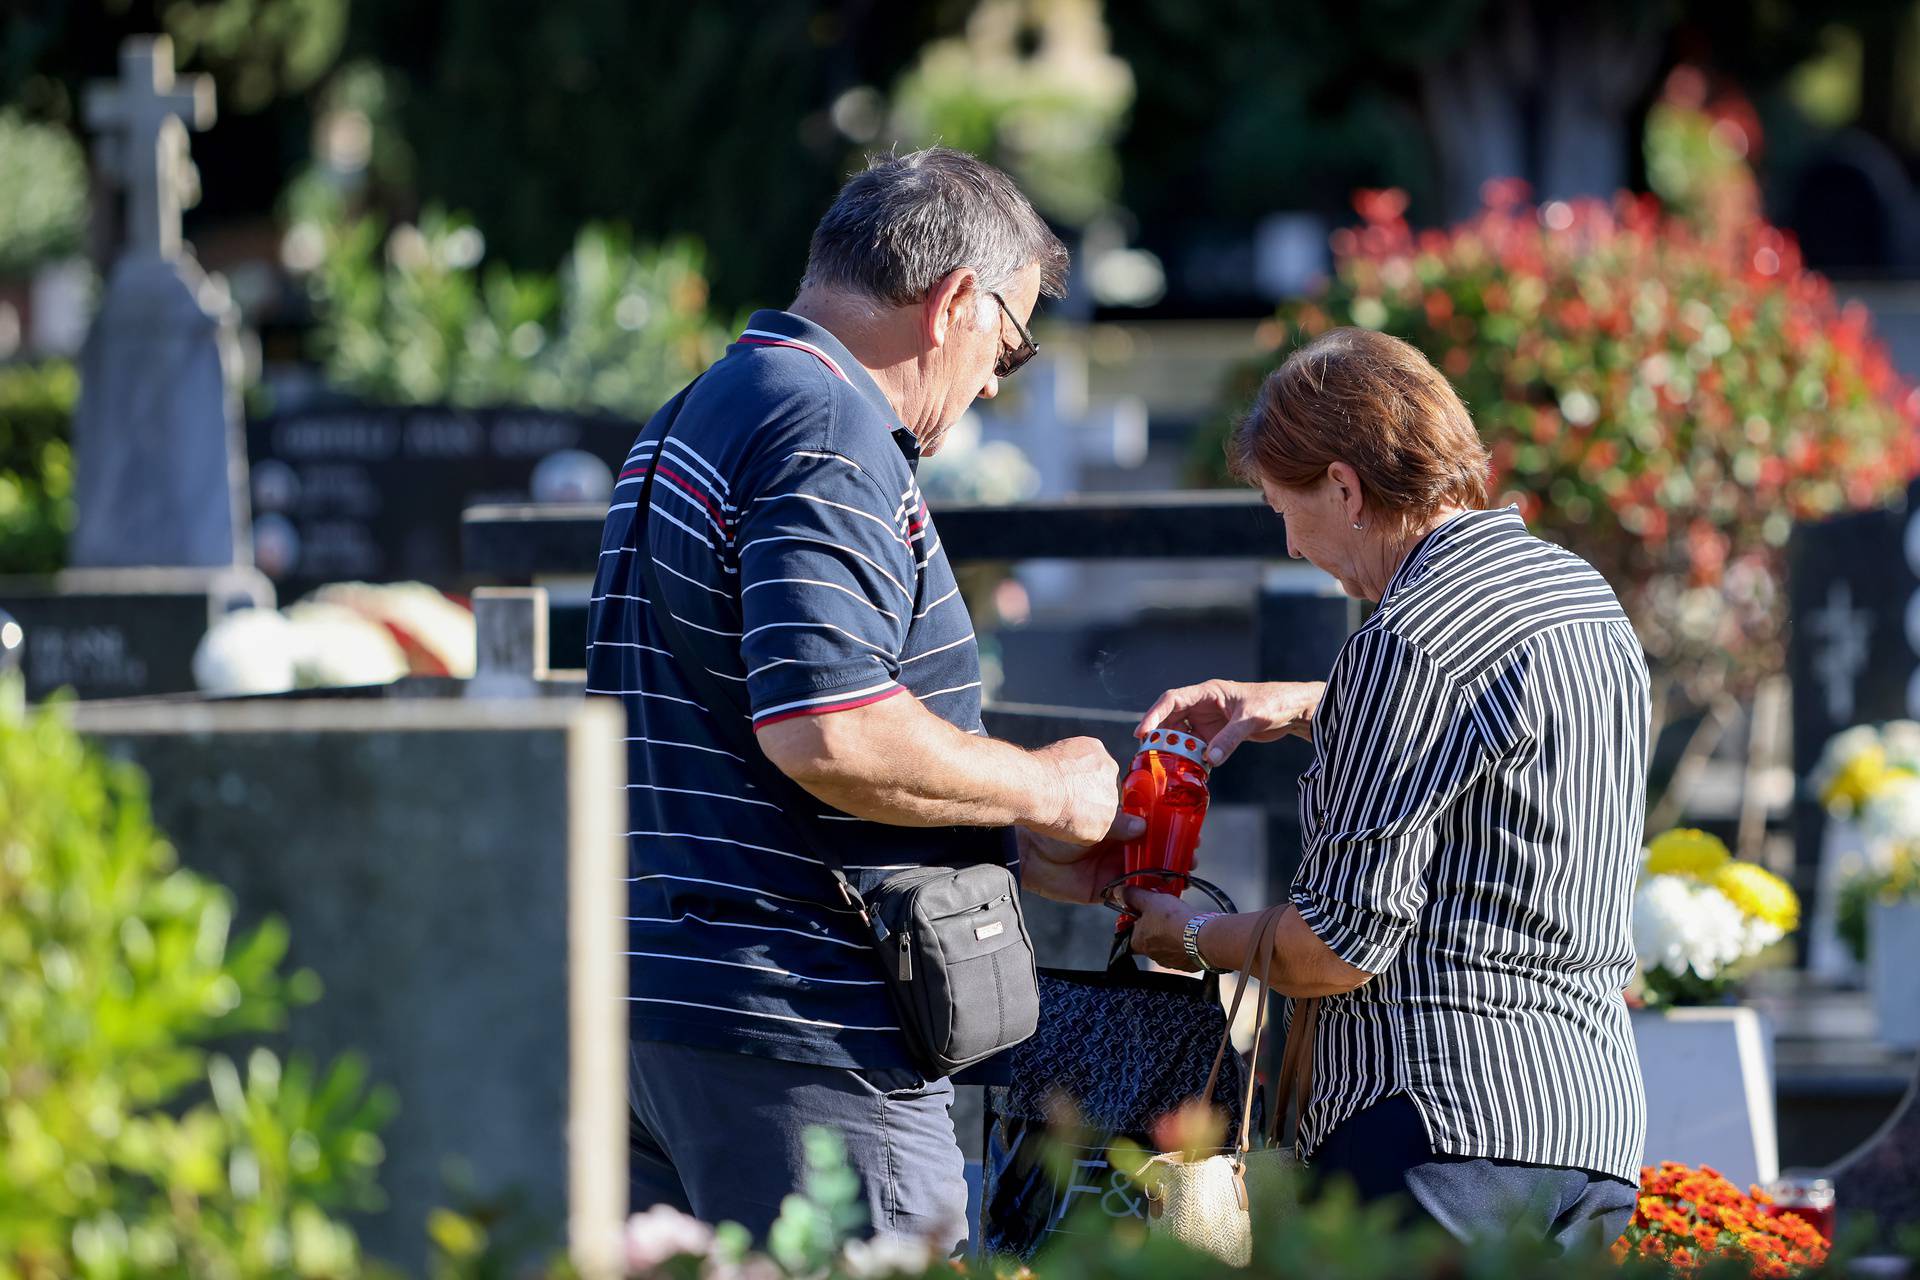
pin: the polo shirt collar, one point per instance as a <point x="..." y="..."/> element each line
<point x="785" y="328"/>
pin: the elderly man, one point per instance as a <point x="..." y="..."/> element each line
<point x="805" y="594"/>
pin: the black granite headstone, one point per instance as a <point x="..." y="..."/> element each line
<point x="1881" y="1181"/>
<point x="121" y="633"/>
<point x="375" y="493"/>
<point x="1855" y="210"/>
<point x="1852" y="585"/>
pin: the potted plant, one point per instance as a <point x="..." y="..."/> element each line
<point x="1701" y="919"/>
<point x="1868" y="780"/>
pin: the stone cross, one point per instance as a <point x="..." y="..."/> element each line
<point x="1843" y="633"/>
<point x="160" y="463"/>
<point x="144" y="117"/>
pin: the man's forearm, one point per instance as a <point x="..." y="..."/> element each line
<point x="896" y="762"/>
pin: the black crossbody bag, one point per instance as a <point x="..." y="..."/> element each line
<point x="951" y="942"/>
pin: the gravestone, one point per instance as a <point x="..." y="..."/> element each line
<point x="159" y="473"/>
<point x="453" y="871"/>
<point x="1854" y="598"/>
<point x="375" y="493"/>
<point x="121" y="633"/>
<point x="1881" y="1181"/>
<point x="1854" y="209"/>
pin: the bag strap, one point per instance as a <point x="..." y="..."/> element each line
<point x="1262" y="942"/>
<point x="725" y="709"/>
<point x="1296" y="1067"/>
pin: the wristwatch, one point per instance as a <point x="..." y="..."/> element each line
<point x="1190" y="940"/>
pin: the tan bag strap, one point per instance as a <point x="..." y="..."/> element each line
<point x="1296" y="1067"/>
<point x="1233" y="1010"/>
<point x="1261" y="944"/>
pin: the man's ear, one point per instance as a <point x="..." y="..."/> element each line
<point x="946" y="304"/>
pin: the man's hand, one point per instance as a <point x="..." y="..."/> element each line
<point x="1070" y="872"/>
<point x="1229" y="712"/>
<point x="1088" y="790"/>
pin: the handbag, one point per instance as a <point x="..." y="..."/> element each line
<point x="1118" y="1048"/>
<point x="1215" y="1203"/>
<point x="952" y="942"/>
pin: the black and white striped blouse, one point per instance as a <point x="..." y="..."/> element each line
<point x="1472" y="822"/>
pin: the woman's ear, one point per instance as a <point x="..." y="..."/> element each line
<point x="1352" y="498"/>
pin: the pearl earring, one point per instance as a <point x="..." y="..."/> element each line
<point x="1358" y="525"/>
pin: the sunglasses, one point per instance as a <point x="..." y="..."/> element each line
<point x="1008" y="362"/>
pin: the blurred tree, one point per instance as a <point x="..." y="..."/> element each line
<point x="1032" y="87"/>
<point x="263" y="54"/>
<point x="714" y="121"/>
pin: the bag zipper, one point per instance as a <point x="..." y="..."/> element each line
<point x="984" y="906"/>
<point x="906" y="956"/>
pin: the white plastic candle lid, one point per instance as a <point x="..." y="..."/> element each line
<point x="1176" y="742"/>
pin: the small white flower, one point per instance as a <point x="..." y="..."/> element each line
<point x="885" y="1256"/>
<point x="250" y="651"/>
<point x="661" y="1234"/>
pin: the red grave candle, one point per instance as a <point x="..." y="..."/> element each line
<point x="1167" y="786"/>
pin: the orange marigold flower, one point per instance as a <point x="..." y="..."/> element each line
<point x="1620" y="1249"/>
<point x="1706" y="1236"/>
<point x="1682" y="1258"/>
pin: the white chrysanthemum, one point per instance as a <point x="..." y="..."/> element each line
<point x="249" y="651"/>
<point x="1891" y="815"/>
<point x="1842" y="749"/>
<point x="1680" y="925"/>
<point x="337" y="647"/>
<point x="1901" y="741"/>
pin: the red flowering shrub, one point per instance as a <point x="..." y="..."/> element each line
<point x="1664" y="394"/>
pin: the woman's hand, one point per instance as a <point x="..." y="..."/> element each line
<point x="1229" y="712"/>
<point x="1160" y="932"/>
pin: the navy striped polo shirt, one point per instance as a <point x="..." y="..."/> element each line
<point x="795" y="551"/>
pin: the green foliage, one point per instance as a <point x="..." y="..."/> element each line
<point x="36" y="465"/>
<point x="1897" y="882"/>
<point x="262" y="49"/>
<point x="675" y="119"/>
<point x="126" y="1146"/>
<point x="43" y="193"/>
<point x="412" y="317"/>
<point x="1049" y="116"/>
<point x="808" y="1232"/>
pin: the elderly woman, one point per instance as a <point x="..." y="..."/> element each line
<point x="1471" y="819"/>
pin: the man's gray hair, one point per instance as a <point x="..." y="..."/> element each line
<point x="906" y="221"/>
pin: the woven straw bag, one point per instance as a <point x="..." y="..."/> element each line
<point x="1205" y="1203"/>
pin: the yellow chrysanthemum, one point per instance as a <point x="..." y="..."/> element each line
<point x="1686" y="852"/>
<point x="1854" y="782"/>
<point x="1759" y="894"/>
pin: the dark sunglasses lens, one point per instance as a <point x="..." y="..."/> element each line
<point x="1010" y="361"/>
